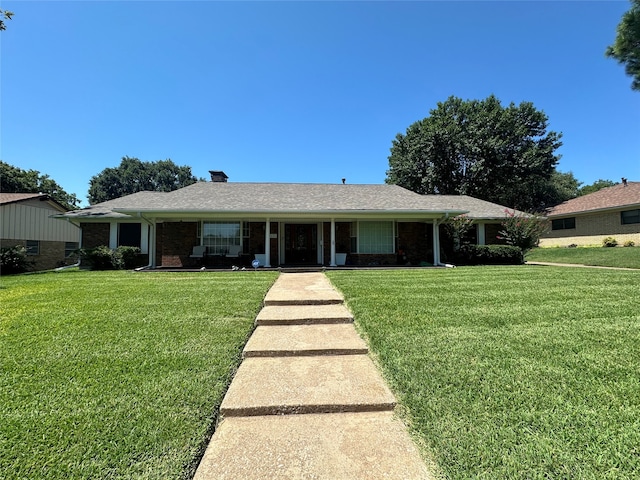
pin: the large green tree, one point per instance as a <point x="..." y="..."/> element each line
<point x="17" y="180"/>
<point x="626" y="48"/>
<point x="595" y="186"/>
<point x="479" y="148"/>
<point x="134" y="176"/>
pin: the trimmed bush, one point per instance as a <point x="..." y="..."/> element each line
<point x="489" y="255"/>
<point x="609" y="242"/>
<point x="629" y="243"/>
<point x="130" y="257"/>
<point x="103" y="258"/>
<point x="13" y="260"/>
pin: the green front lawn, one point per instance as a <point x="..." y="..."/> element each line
<point x="117" y="374"/>
<point x="510" y="372"/>
<point x="628" y="257"/>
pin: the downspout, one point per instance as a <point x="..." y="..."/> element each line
<point x="152" y="244"/>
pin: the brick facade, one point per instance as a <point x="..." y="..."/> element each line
<point x="591" y="229"/>
<point x="175" y="242"/>
<point x="95" y="234"/>
<point x="50" y="255"/>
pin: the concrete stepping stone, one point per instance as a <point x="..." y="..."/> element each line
<point x="289" y="340"/>
<point x="302" y="289"/>
<point x="323" y="384"/>
<point x="343" y="446"/>
<point x="304" y="314"/>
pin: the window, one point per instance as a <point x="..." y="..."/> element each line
<point x="630" y="216"/>
<point x="33" y="247"/>
<point x="70" y="248"/>
<point x="219" y="236"/>
<point x="563" y="223"/>
<point x="376" y="237"/>
<point x="129" y="234"/>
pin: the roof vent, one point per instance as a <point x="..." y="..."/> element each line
<point x="218" y="176"/>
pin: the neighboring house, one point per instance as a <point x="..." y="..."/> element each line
<point x="26" y="220"/>
<point x="587" y="220"/>
<point x="282" y="224"/>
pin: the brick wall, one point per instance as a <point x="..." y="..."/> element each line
<point x="416" y="241"/>
<point x="175" y="242"/>
<point x="95" y="234"/>
<point x="50" y="256"/>
<point x="592" y="229"/>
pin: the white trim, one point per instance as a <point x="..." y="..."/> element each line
<point x="481" y="234"/>
<point x="436" y="243"/>
<point x="333" y="243"/>
<point x="113" y="235"/>
<point x="267" y="243"/>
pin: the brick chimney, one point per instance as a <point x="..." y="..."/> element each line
<point x="218" y="176"/>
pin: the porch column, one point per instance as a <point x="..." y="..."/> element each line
<point x="152" y="244"/>
<point x="267" y="243"/>
<point x="481" y="235"/>
<point x="113" y="235"/>
<point x="436" y="243"/>
<point x="332" y="263"/>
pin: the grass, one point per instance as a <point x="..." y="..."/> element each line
<point x="628" y="257"/>
<point x="117" y="374"/>
<point x="510" y="372"/>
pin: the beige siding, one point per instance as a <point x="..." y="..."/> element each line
<point x="591" y="229"/>
<point x="31" y="221"/>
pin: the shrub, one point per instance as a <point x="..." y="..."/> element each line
<point x="130" y="257"/>
<point x="609" y="242"/>
<point x="457" y="227"/>
<point x="629" y="243"/>
<point x="523" y="231"/>
<point x="490" y="255"/>
<point x="104" y="258"/>
<point x="13" y="260"/>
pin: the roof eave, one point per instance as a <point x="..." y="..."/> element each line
<point x="595" y="210"/>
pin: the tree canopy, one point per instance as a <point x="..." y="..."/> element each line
<point x="4" y="15"/>
<point x="17" y="180"/>
<point x="133" y="175"/>
<point x="626" y="48"/>
<point x="595" y="186"/>
<point x="479" y="148"/>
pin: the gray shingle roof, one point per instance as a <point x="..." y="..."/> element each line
<point x="222" y="197"/>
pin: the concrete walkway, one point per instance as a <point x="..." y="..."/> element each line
<point x="307" y="401"/>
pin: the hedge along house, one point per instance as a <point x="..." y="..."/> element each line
<point x="587" y="220"/>
<point x="222" y="223"/>
<point x="26" y="221"/>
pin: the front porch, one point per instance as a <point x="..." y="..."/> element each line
<point x="296" y="243"/>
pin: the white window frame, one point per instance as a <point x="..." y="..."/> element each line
<point x="220" y="245"/>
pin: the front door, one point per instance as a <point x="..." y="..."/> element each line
<point x="301" y="243"/>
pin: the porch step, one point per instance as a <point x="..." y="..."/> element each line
<point x="354" y="446"/>
<point x="303" y="340"/>
<point x="322" y="384"/>
<point x="302" y="289"/>
<point x="304" y="314"/>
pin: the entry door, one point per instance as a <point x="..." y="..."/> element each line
<point x="301" y="243"/>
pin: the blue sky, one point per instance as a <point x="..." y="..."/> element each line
<point x="299" y="91"/>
